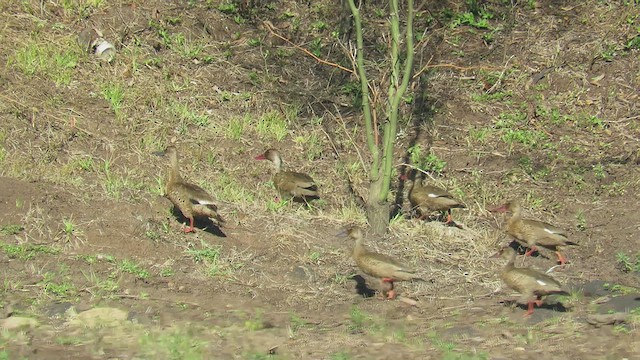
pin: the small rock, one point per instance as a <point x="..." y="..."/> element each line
<point x="18" y="322"/>
<point x="302" y="273"/>
<point x="58" y="309"/>
<point x="622" y="303"/>
<point x="100" y="316"/>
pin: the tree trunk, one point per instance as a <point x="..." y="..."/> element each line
<point x="377" y="210"/>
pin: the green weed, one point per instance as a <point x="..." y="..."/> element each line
<point x="341" y="355"/>
<point x="179" y="344"/>
<point x="131" y="267"/>
<point x="230" y="189"/>
<point x="237" y="127"/>
<point x="480" y="20"/>
<point x="99" y="286"/>
<point x="358" y="320"/>
<point x="186" y="48"/>
<point x="272" y="125"/>
<point x="312" y="144"/>
<point x="52" y="60"/>
<point x="184" y="112"/>
<point x="429" y="162"/>
<point x="256" y="322"/>
<point x="114" y="94"/>
<point x="228" y="8"/>
<point x="11" y="229"/>
<point x="210" y="257"/>
<point x="59" y="289"/>
<point x="626" y="264"/>
<point x="26" y="251"/>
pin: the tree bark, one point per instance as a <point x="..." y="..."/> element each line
<point x="377" y="209"/>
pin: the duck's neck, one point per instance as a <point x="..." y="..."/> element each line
<point x="277" y="163"/>
<point x="510" y="264"/>
<point x="416" y="183"/>
<point x="173" y="175"/>
<point x="358" y="249"/>
<point x="516" y="214"/>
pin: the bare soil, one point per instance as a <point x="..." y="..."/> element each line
<point x="282" y="285"/>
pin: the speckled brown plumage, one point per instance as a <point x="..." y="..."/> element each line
<point x="534" y="233"/>
<point x="428" y="199"/>
<point x="290" y="184"/>
<point x="531" y="284"/>
<point x="190" y="199"/>
<point x="380" y="266"/>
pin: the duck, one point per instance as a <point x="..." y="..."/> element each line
<point x="531" y="284"/>
<point x="379" y="266"/>
<point x="533" y="233"/>
<point x="190" y="199"/>
<point x="429" y="198"/>
<point x="290" y="184"/>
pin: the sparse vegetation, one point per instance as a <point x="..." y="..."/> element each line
<point x="491" y="112"/>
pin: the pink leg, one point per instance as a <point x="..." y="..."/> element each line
<point x="449" y="218"/>
<point x="562" y="259"/>
<point x="190" y="228"/>
<point x="530" y="309"/>
<point x="531" y="251"/>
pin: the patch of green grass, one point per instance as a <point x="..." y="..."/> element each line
<point x="429" y="162"/>
<point x="100" y="286"/>
<point x="621" y="289"/>
<point x="340" y="355"/>
<point x="133" y="268"/>
<point x="187" y="48"/>
<point x="59" y="289"/>
<point x="478" y="19"/>
<point x="167" y="272"/>
<point x="296" y="323"/>
<point x="11" y="229"/>
<point x="627" y="264"/>
<point x="184" y="112"/>
<point x="210" y="257"/>
<point x="228" y="8"/>
<point x="115" y="184"/>
<point x="230" y="189"/>
<point x="114" y="93"/>
<point x="276" y="205"/>
<point x="451" y="352"/>
<point x="272" y="125"/>
<point x="237" y="127"/>
<point x="26" y="251"/>
<point x="174" y="345"/>
<point x="589" y="121"/>
<point x="54" y="60"/>
<point x="312" y="145"/>
<point x="358" y="320"/>
<point x="256" y="322"/>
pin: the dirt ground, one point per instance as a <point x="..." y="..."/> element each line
<point x="540" y="105"/>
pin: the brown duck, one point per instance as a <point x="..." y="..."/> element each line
<point x="428" y="199"/>
<point x="290" y="184"/>
<point x="533" y="232"/>
<point x="190" y="199"/>
<point x="380" y="266"/>
<point x="528" y="282"/>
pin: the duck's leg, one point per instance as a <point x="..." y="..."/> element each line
<point x="391" y="294"/>
<point x="531" y="250"/>
<point x="190" y="228"/>
<point x="449" y="218"/>
<point x="530" y="308"/>
<point x="561" y="258"/>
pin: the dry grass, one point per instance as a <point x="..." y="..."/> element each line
<point x="218" y="94"/>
